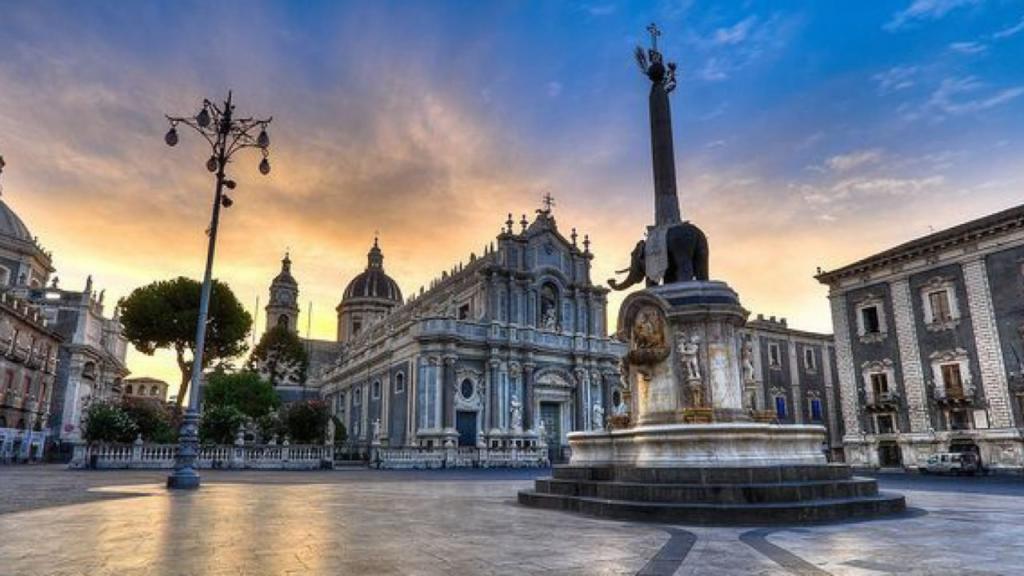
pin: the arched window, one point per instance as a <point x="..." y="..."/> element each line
<point x="154" y="390"/>
<point x="357" y="397"/>
<point x="548" y="307"/>
<point x="400" y="383"/>
<point x="282" y="321"/>
<point x="128" y="389"/>
<point x="616" y="398"/>
<point x="376" y="389"/>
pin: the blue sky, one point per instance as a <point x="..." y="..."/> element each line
<point x="807" y="133"/>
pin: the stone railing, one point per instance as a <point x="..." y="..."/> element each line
<point x="461" y="457"/>
<point x="139" y="455"/>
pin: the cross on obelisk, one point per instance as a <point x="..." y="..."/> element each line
<point x="662" y="77"/>
<point x="652" y="29"/>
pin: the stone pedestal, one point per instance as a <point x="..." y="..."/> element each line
<point x="682" y="439"/>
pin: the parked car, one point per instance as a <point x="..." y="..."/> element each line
<point x="953" y="463"/>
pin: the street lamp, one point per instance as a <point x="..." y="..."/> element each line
<point x="226" y="135"/>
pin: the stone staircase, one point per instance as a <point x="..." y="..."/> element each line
<point x="714" y="496"/>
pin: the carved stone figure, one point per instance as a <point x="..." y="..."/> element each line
<point x="597" y="417"/>
<point x="542" y="433"/>
<point x="647" y="340"/>
<point x="549" y="319"/>
<point x="689" y="352"/>
<point x="747" y="358"/>
<point x="516" y="409"/>
<point x="376" y="430"/>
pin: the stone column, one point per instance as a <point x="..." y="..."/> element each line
<point x="794" y="378"/>
<point x="830" y="395"/>
<point x="529" y="399"/>
<point x="581" y="399"/>
<point x="986" y="340"/>
<point x="385" y="407"/>
<point x="844" y="366"/>
<point x="910" y="355"/>
<point x="492" y="389"/>
<point x="447" y="393"/>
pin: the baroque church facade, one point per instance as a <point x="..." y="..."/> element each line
<point x="509" y="350"/>
<point x="61" y="352"/>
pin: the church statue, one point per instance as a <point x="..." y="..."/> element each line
<point x="542" y="433"/>
<point x="597" y="417"/>
<point x="674" y="250"/>
<point x="517" y="414"/>
<point x="689" y="352"/>
<point x="747" y="359"/>
<point x="549" y="319"/>
<point x="376" y="431"/>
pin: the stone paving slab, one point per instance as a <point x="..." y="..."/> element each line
<point x="365" y="523"/>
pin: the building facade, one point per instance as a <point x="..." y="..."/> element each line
<point x="792" y="373"/>
<point x="28" y="366"/>
<point x="515" y="337"/>
<point x="929" y="346"/>
<point x="145" y="389"/>
<point x="90" y="361"/>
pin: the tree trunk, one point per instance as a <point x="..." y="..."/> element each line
<point x="186" y="375"/>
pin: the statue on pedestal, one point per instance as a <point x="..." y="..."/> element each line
<point x="376" y="431"/>
<point x="747" y="359"/>
<point x="597" y="417"/>
<point x="516" y="409"/>
<point x="689" y="356"/>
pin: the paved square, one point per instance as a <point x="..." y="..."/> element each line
<point x="366" y="522"/>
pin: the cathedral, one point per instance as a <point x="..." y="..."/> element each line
<point x="509" y="350"/>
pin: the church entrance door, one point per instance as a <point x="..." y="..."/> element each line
<point x="465" y="423"/>
<point x="551" y="414"/>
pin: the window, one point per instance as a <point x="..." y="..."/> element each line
<point x="357" y="397"/>
<point x="774" y="355"/>
<point x="282" y="321"/>
<point x="939" y="303"/>
<point x="780" y="407"/>
<point x="870" y="320"/>
<point x="341" y="400"/>
<point x="128" y="389"/>
<point x="815" y="410"/>
<point x="617" y="398"/>
<point x="959" y="420"/>
<point x="357" y="325"/>
<point x="879" y="384"/>
<point x="464" y="312"/>
<point x="399" y="383"/>
<point x="376" y="390"/>
<point x="884" y="424"/>
<point x="5" y="275"/>
<point x="952" y="379"/>
<point x="467" y="389"/>
<point x="809" y="361"/>
<point x="154" y="391"/>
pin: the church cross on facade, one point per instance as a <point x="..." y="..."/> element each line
<point x="549" y="202"/>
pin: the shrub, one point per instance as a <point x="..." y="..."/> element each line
<point x="306" y="421"/>
<point x="106" y="422"/>
<point x="154" y="420"/>
<point x="220" y="424"/>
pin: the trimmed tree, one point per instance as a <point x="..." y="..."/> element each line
<point x="163" y="315"/>
<point x="306" y="421"/>
<point x="246" y="391"/>
<point x="280" y="358"/>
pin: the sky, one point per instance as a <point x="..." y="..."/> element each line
<point x="807" y="134"/>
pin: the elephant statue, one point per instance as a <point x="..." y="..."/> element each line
<point x="687" y="248"/>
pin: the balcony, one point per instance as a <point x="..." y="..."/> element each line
<point x="883" y="402"/>
<point x="954" y="395"/>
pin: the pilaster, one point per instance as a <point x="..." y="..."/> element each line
<point x="986" y="340"/>
<point x="794" y="378"/>
<point x="844" y="366"/>
<point x="910" y="355"/>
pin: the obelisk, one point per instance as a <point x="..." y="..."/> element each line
<point x="663" y="81"/>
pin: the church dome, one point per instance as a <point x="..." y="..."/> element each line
<point x="11" y="225"/>
<point x="373" y="282"/>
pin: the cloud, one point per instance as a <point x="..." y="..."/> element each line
<point x="847" y="162"/>
<point x="554" y="89"/>
<point x="921" y="10"/>
<point x="949" y="98"/>
<point x="735" y="34"/>
<point x="713" y="70"/>
<point x="599" y="9"/>
<point x="1011" y="31"/>
<point x="895" y="79"/>
<point x="968" y="47"/>
<point x="858" y="188"/>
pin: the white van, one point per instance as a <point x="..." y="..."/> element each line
<point x="952" y="463"/>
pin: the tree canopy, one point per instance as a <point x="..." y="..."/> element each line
<point x="163" y="315"/>
<point x="246" y="391"/>
<point x="280" y="357"/>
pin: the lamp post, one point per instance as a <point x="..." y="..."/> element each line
<point x="226" y="135"/>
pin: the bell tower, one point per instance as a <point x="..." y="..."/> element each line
<point x="283" y="306"/>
